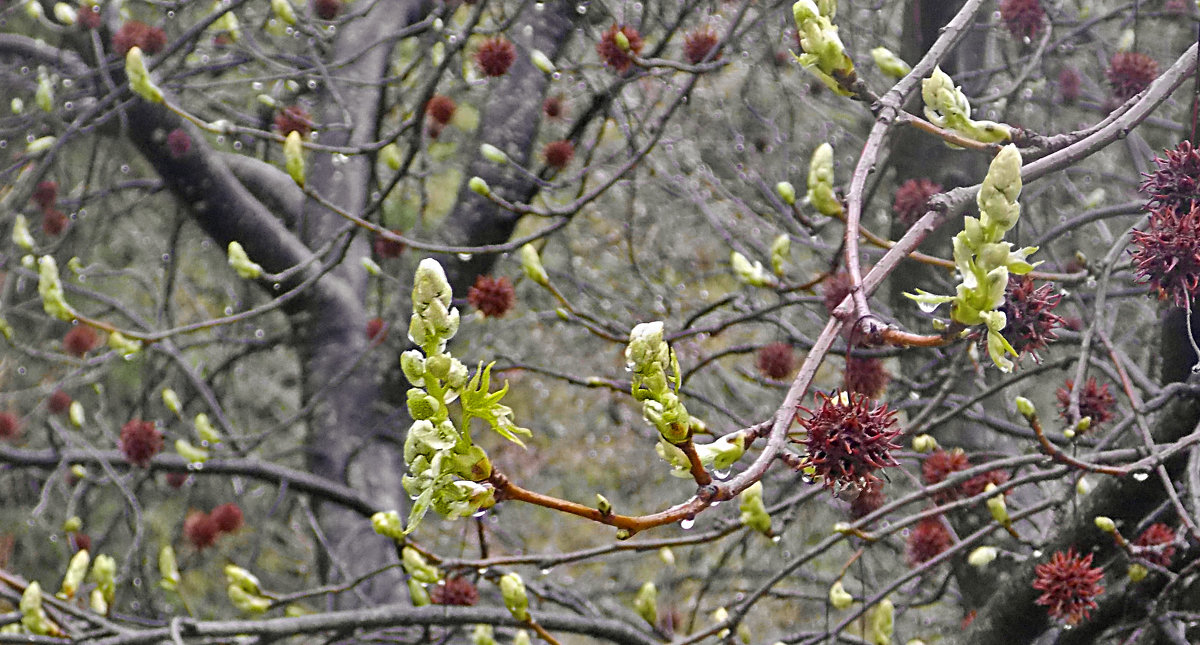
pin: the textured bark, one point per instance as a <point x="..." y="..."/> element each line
<point x="510" y="122"/>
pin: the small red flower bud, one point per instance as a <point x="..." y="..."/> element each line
<point x="1095" y="401"/>
<point x="440" y="109"/>
<point x="1069" y="585"/>
<point x="228" y="517"/>
<point x="927" y="540"/>
<point x="979" y="483"/>
<point x="455" y="590"/>
<point x="81" y="541"/>
<point x="200" y="529"/>
<point x="553" y="107"/>
<point x="939" y="465"/>
<point x="836" y="288"/>
<point x="45" y="194"/>
<point x="912" y="199"/>
<point x="88" y="17"/>
<point x="58" y="402"/>
<point x="178" y="143"/>
<point x="293" y="118"/>
<point x="1022" y="17"/>
<point x="176" y="480"/>
<point x="387" y="248"/>
<point x="375" y="328"/>
<point x="614" y="56"/>
<point x="865" y="376"/>
<point x="150" y="40"/>
<point x="54" y="222"/>
<point x="1175" y="181"/>
<point x="848" y="439"/>
<point x="558" y="153"/>
<point x="1069" y="84"/>
<point x="495" y="56"/>
<point x="698" y="44"/>
<point x="327" y="9"/>
<point x="10" y="426"/>
<point x="775" y="360"/>
<point x="80" y="340"/>
<point x="493" y="297"/>
<point x="140" y="441"/>
<point x="869" y="499"/>
<point x="1130" y="73"/>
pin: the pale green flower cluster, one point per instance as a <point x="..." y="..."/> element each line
<point x="656" y="379"/>
<point x="984" y="260"/>
<point x="824" y="54"/>
<point x="947" y="107"/>
<point x="820" y="182"/>
<point x="446" y="470"/>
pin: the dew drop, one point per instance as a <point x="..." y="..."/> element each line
<point x="687" y="524"/>
<point x="776" y="539"/>
<point x="546" y="571"/>
<point x="927" y="307"/>
<point x="1141" y="476"/>
<point x="720" y="474"/>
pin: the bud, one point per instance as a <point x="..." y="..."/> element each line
<point x="1083" y="486"/>
<point x="1137" y="572"/>
<point x="192" y="454"/>
<point x="1069" y="434"/>
<point x="34" y="10"/>
<point x="754" y="513"/>
<point x="416" y="566"/>
<point x="418" y="593"/>
<point x="839" y="597"/>
<point x="97" y="603"/>
<point x="242" y="578"/>
<point x="74" y="576"/>
<point x="483" y="635"/>
<point x="205" y="430"/>
<point x="478" y="185"/>
<point x="412" y="363"/>
<point x="786" y="192"/>
<point x="20" y="233"/>
<point x="241" y="263"/>
<point x="293" y="157"/>
<point x="924" y="443"/>
<point x="752" y="274"/>
<point x="369" y="266"/>
<point x="512" y="590"/>
<point x="492" y="154"/>
<point x="168" y="569"/>
<point x="541" y="61"/>
<point x="388" y="524"/>
<point x="667" y="556"/>
<point x="284" y="11"/>
<point x="139" y="76"/>
<point x="997" y="507"/>
<point x="882" y="623"/>
<point x="1105" y="524"/>
<point x="430" y="284"/>
<point x="16" y="105"/>
<point x="720" y="615"/>
<point x="65" y="13"/>
<point x="390" y="156"/>
<point x="982" y="556"/>
<point x="38" y="146"/>
<point x="646" y="603"/>
<point x="104" y="572"/>
<point x="621" y="40"/>
<point x="73" y="523"/>
<point x="603" y="505"/>
<point x="247" y="602"/>
<point x="820" y="182"/>
<point x="531" y="264"/>
<point x="889" y="63"/>
<point x="843" y="528"/>
<point x="171" y="400"/>
<point x="1025" y="407"/>
<point x="1083" y="425"/>
<point x="33" y="617"/>
<point x="50" y="289"/>
<point x="780" y="248"/>
<point x="44" y="96"/>
<point x="75" y="414"/>
<point x="521" y="638"/>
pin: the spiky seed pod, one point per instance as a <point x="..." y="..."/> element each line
<point x="553" y="107"/>
<point x="558" y="153"/>
<point x="979" y="483"/>
<point x="45" y="194"/>
<point x="178" y="143"/>
<point x="1166" y="255"/>
<point x="54" y="222"/>
<point x="939" y="465"/>
<point x="200" y="529"/>
<point x="80" y="340"/>
<point x="10" y="426"/>
<point x="849" y="439"/>
<point x="611" y="51"/>
<point x="140" y="441"/>
<point x="1030" y="315"/>
<point x="869" y="499"/>
<point x="327" y="9"/>
<point x="1095" y="401"/>
<point x="387" y="248"/>
<point x="176" y="480"/>
<point x="1023" y="18"/>
<point x="440" y="109"/>
<point x="293" y="118"/>
<point x="1156" y="544"/>
<point x="865" y="376"/>
<point x="150" y="40"/>
<point x="775" y="360"/>
<point x="912" y="199"/>
<point x="1069" y="84"/>
<point x="374" y="328"/>
<point x="456" y="590"/>
<point x="928" y="539"/>
<point x="1069" y="585"/>
<point x="81" y="541"/>
<point x="59" y="402"/>
<point x="88" y="17"/>
<point x="835" y="289"/>
<point x="495" y="56"/>
<point x="493" y="297"/>
<point x="1130" y="72"/>
<point x="698" y="44"/>
<point x="1175" y="181"/>
<point x="228" y="517"/>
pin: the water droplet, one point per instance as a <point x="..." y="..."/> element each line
<point x="545" y="571"/>
<point x="776" y="539"/>
<point x="581" y="9"/>
<point x="720" y="474"/>
<point x="1037" y="553"/>
<point x="483" y="571"/>
<point x="1141" y="476"/>
<point x="927" y="307"/>
<point x="465" y="257"/>
<point x="687" y="524"/>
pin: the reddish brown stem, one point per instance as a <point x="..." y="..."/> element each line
<point x="697" y="469"/>
<point x="1052" y="451"/>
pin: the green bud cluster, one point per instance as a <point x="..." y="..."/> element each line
<point x="889" y="63"/>
<point x="656" y="379"/>
<point x="984" y="260"/>
<point x="168" y="568"/>
<point x="754" y="512"/>
<point x="716" y="455"/>
<point x="76" y="570"/>
<point x="820" y="182"/>
<point x="244" y="590"/>
<point x="749" y="273"/>
<point x="512" y="591"/>
<point x="947" y="107"/>
<point x="139" y="77"/>
<point x="50" y="288"/>
<point x="446" y="470"/>
<point x="646" y="603"/>
<point x="824" y="54"/>
<point x="33" y="617"/>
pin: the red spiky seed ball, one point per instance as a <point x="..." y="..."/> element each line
<point x="200" y="529"/>
<point x="327" y="9"/>
<point x="1069" y="84"/>
<point x="927" y="540"/>
<point x="1069" y="585"/>
<point x="81" y="541"/>
<point x="1095" y="401"/>
<point x="45" y="194"/>
<point x="848" y="439"/>
<point x="88" y="17"/>
<point x="493" y="297"/>
<point x="939" y="465"/>
<point x="612" y="53"/>
<point x="293" y="118"/>
<point x="1023" y="18"/>
<point x="178" y="143"/>
<point x="176" y="480"/>
<point x="375" y="327"/>
<point x="553" y="107"/>
<point x="1175" y="181"/>
<point x="558" y="153"/>
<point x="912" y="199"/>
<point x="456" y="590"/>
<point x="1166" y="255"/>
<point x="389" y="248"/>
<point x="80" y="340"/>
<point x="140" y="441"/>
<point x="979" y="483"/>
<point x="228" y="517"/>
<point x="54" y="222"/>
<point x="58" y="402"/>
<point x="440" y="109"/>
<point x="1030" y="315"/>
<point x="835" y="289"/>
<point x="865" y="376"/>
<point x="1156" y="544"/>
<point x="775" y="360"/>
<point x="698" y="44"/>
<point x="1130" y="72"/>
<point x="134" y="33"/>
<point x="10" y="426"/>
<point x="495" y="56"/>
<point x="869" y="500"/>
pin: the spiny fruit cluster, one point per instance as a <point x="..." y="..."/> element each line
<point x="1166" y="254"/>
